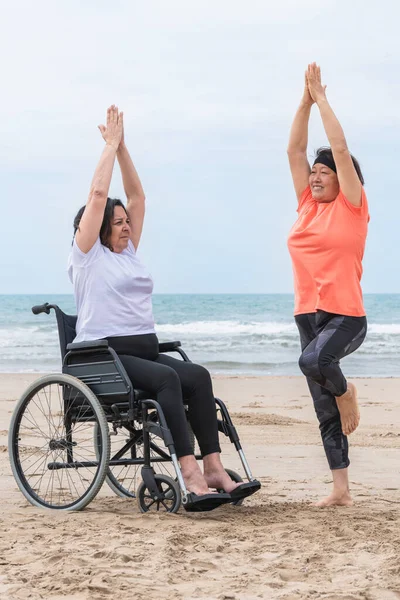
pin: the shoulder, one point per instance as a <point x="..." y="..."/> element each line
<point x="305" y="199"/>
<point x="84" y="259"/>
<point x="358" y="211"/>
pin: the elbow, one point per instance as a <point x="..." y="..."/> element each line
<point x="136" y="198"/>
<point x="98" y="195"/>
<point x="295" y="151"/>
<point x="340" y="147"/>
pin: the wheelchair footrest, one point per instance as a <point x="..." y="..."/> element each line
<point x="245" y="489"/>
<point x="205" y="502"/>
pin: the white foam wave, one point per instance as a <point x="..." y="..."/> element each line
<point x="256" y="328"/>
<point x="384" y="328"/>
<point x="227" y="328"/>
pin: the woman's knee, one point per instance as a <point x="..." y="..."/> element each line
<point x="199" y="378"/>
<point x="201" y="374"/>
<point x="169" y="380"/>
<point x="310" y="366"/>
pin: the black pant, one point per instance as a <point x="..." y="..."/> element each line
<point x="325" y="339"/>
<point x="173" y="382"/>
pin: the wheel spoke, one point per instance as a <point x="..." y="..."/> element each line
<point x="41" y="439"/>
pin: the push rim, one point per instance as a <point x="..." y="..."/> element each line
<point x="52" y="452"/>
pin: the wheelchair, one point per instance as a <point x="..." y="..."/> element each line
<point x="72" y="431"/>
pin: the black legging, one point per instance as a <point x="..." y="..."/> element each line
<point x="325" y="339"/>
<point x="172" y="381"/>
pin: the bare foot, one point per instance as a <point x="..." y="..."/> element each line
<point x="348" y="409"/>
<point x="194" y="481"/>
<point x="336" y="499"/>
<point x="220" y="480"/>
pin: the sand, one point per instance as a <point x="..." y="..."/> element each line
<point x="277" y="545"/>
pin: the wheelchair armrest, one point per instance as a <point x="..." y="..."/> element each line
<point x="90" y="345"/>
<point x="168" y="346"/>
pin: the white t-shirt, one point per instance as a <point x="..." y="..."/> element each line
<point x="112" y="292"/>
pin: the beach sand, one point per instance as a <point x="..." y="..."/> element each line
<point x="277" y="545"/>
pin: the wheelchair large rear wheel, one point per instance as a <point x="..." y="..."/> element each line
<point x="127" y="445"/>
<point x="53" y="456"/>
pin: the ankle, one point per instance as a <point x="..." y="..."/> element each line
<point x="340" y="492"/>
<point x="189" y="465"/>
<point x="212" y="463"/>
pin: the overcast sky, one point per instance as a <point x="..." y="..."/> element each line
<point x="209" y="90"/>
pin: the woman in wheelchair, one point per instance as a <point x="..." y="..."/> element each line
<point x="113" y="293"/>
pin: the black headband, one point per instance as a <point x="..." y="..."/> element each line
<point x="325" y="160"/>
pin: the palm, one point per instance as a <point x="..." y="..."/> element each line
<point x="113" y="132"/>
<point x="307" y="98"/>
<point x="315" y="87"/>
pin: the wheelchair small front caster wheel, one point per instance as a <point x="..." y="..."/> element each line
<point x="168" y="497"/>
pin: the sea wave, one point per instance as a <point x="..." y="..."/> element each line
<point x="200" y="331"/>
<point x="222" y="345"/>
<point x="226" y="328"/>
<point x="255" y="328"/>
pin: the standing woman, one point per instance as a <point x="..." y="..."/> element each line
<point x="326" y="245"/>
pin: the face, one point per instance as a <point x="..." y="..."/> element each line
<point x="324" y="183"/>
<point x="120" y="230"/>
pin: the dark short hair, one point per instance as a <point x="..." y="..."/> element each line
<point x="327" y="152"/>
<point x="105" y="229"/>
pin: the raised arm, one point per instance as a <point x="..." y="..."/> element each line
<point x="90" y="224"/>
<point x="349" y="181"/>
<point x="134" y="192"/>
<point x="297" y="148"/>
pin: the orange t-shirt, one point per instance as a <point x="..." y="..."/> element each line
<point x="327" y="246"/>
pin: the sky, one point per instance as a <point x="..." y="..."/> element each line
<point x="209" y="90"/>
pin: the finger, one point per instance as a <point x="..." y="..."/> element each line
<point x="313" y="66"/>
<point x="121" y="119"/>
<point x="102" y="129"/>
<point x="108" y="116"/>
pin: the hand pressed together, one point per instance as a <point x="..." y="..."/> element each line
<point x="315" y="87"/>
<point x="114" y="131"/>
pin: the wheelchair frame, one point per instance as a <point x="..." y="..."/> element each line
<point x="97" y="371"/>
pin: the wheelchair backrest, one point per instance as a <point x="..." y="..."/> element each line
<point x="66" y="329"/>
<point x="103" y="373"/>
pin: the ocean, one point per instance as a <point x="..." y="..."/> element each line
<point x="234" y="334"/>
